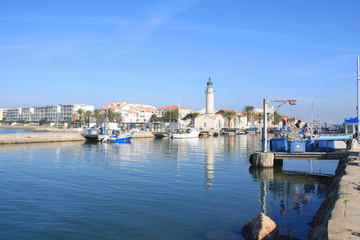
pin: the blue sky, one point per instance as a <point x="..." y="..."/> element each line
<point x="163" y="52"/>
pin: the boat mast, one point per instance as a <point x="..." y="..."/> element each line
<point x="179" y="127"/>
<point x="358" y="100"/>
<point x="312" y="118"/>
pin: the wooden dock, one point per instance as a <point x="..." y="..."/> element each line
<point x="274" y="159"/>
<point x="311" y="155"/>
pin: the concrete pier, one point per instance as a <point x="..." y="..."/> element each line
<point x="338" y="216"/>
<point x="263" y="159"/>
<point x="39" y="137"/>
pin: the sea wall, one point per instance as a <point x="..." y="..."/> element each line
<point x="143" y="135"/>
<point x="337" y="217"/>
<point x="39" y="137"/>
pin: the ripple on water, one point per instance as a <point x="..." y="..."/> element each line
<point x="151" y="189"/>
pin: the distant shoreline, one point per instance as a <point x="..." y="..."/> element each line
<point x="39" y="128"/>
<point x="19" y="127"/>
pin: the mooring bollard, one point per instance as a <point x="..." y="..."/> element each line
<point x="262" y="159"/>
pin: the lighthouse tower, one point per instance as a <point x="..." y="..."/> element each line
<point x="210" y="107"/>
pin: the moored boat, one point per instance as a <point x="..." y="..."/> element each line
<point x="124" y="139"/>
<point x="252" y="130"/>
<point x="186" y="133"/>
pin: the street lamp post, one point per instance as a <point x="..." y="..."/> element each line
<point x="358" y="100"/>
<point x="264" y="130"/>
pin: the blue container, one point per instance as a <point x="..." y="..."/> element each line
<point x="278" y="144"/>
<point x="296" y="146"/>
<point x="326" y="145"/>
<point x="103" y="131"/>
<point x="114" y="132"/>
<point x="310" y="145"/>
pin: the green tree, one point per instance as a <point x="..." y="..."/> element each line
<point x="117" y="118"/>
<point x="259" y="117"/>
<point x="74" y="117"/>
<point x="110" y="114"/>
<point x="80" y="112"/>
<point x="249" y="111"/>
<point x="87" y="116"/>
<point x="192" y="117"/>
<point x="98" y="116"/>
<point x="171" y="115"/>
<point x="153" y="118"/>
<point x="229" y="116"/>
<point x="277" y="118"/>
<point x="42" y="122"/>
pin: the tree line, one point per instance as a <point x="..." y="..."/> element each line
<point x="83" y="117"/>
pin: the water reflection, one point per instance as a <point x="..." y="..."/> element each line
<point x="209" y="163"/>
<point x="287" y="193"/>
<point x="178" y="189"/>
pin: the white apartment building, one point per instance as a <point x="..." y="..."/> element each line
<point x="13" y="114"/>
<point x="48" y="113"/>
<point x="132" y="113"/>
<point x="61" y="113"/>
<point x="27" y="114"/>
<point x="2" y="114"/>
<point x="68" y="110"/>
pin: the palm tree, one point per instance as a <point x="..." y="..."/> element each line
<point x="87" y="116"/>
<point x="248" y="109"/>
<point x="74" y="117"/>
<point x="229" y="116"/>
<point x="80" y="112"/>
<point x="117" y="117"/>
<point x="110" y="114"/>
<point x="98" y="116"/>
<point x="259" y="117"/>
<point x="153" y="118"/>
<point x="277" y="117"/>
<point x="191" y="116"/>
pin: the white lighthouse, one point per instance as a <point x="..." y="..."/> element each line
<point x="210" y="106"/>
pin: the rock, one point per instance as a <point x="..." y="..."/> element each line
<point x="258" y="228"/>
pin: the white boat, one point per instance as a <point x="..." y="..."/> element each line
<point x="186" y="133"/>
<point x="252" y="130"/>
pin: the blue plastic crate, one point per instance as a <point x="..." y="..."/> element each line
<point x="296" y="146"/>
<point x="326" y="145"/>
<point x="278" y="145"/>
<point x="310" y="145"/>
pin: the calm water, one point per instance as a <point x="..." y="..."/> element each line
<point x="9" y="130"/>
<point x="152" y="189"/>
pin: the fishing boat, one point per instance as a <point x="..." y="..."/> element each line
<point x="121" y="139"/>
<point x="186" y="133"/>
<point x="252" y="130"/>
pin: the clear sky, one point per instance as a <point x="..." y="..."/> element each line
<point x="163" y="52"/>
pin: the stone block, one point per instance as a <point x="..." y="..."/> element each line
<point x="263" y="159"/>
<point x="258" y="228"/>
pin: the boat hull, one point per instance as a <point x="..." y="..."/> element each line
<point x="120" y="140"/>
<point x="175" y="136"/>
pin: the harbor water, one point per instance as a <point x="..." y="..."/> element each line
<point x="153" y="189"/>
<point x="13" y="130"/>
